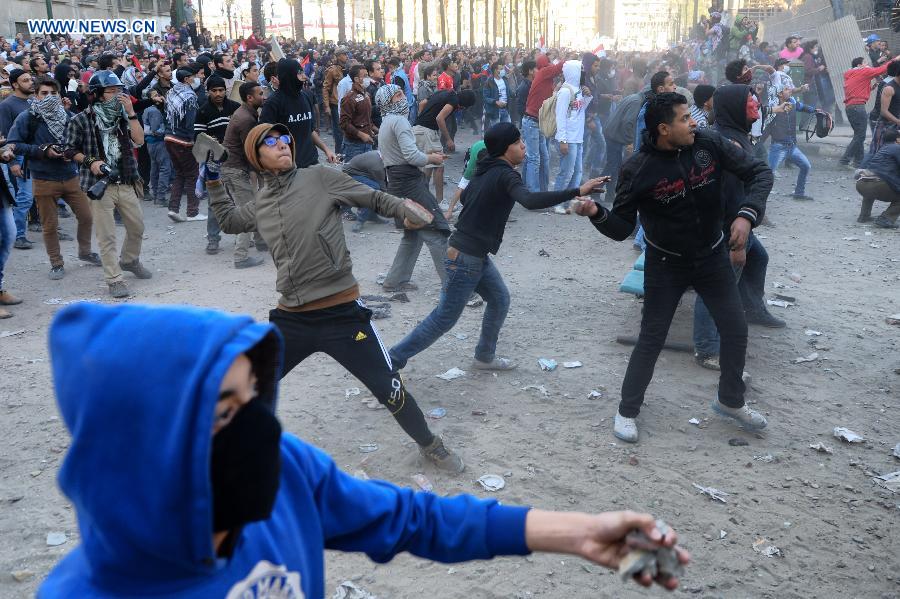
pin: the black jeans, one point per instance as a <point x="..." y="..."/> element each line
<point x="345" y="333"/>
<point x="858" y="118"/>
<point x="666" y="277"/>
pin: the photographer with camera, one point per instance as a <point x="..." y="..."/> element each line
<point x="101" y="140"/>
<point x="38" y="134"/>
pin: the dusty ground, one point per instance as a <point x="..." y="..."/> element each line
<point x="837" y="531"/>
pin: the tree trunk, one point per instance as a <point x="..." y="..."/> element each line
<point x="340" y="8"/>
<point x="258" y="21"/>
<point x="376" y="14"/>
<point x="425" y="20"/>
<point x="298" y="20"/>
<point x="471" y="23"/>
<point x="399" y="21"/>
<point x="459" y="22"/>
<point x="442" y="5"/>
<point x="487" y="23"/>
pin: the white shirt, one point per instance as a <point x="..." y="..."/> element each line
<point x="501" y="86"/>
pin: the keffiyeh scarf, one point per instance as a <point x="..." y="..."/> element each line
<point x="51" y="111"/>
<point x="386" y="106"/>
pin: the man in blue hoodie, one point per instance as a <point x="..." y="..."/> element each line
<point x="225" y="504"/>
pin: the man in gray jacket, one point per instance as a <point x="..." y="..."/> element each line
<point x="619" y="133"/>
<point x="403" y="161"/>
<point x="298" y="214"/>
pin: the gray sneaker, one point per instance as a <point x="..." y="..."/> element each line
<point x="92" y="258"/>
<point x="119" y="289"/>
<point x="495" y="364"/>
<point x="137" y="268"/>
<point x="625" y="429"/>
<point x="749" y="419"/>
<point x="442" y="457"/>
<point x="57" y="272"/>
<point x="249" y="262"/>
<point x="22" y="244"/>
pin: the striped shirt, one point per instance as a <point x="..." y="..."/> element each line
<point x="213" y="120"/>
<point x="698" y="115"/>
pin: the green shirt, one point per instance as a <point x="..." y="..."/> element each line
<point x="473" y="158"/>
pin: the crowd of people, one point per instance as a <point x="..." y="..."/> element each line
<point x="103" y="130"/>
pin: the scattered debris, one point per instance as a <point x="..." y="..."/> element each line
<point x="893" y="319"/>
<point x="897" y="450"/>
<point x="400" y="297"/>
<point x="372" y="403"/>
<point x="779" y="303"/>
<point x="460" y="336"/>
<point x="453" y="373"/>
<point x="810" y="358"/>
<point x="778" y="285"/>
<point x="379" y="311"/>
<point x="540" y="388"/>
<point x="575" y="364"/>
<point x="492" y="482"/>
<point x="738" y="442"/>
<point x="368" y="447"/>
<point x="54" y="539"/>
<point x="437" y="413"/>
<point x="768" y="458"/>
<point x="422" y="481"/>
<point x="891" y="481"/>
<point x="850" y="238"/>
<point x="712" y="492"/>
<point x="348" y="590"/>
<point x="760" y="547"/>
<point x="379" y="279"/>
<point x="479" y="413"/>
<point x="21" y="575"/>
<point x="845" y="434"/>
<point x="821" y="448"/>
<point x="786" y="298"/>
<point x="543" y="253"/>
<point x="795" y="277"/>
<point x="58" y="301"/>
<point x="10" y="333"/>
<point x="474" y="303"/>
<point x="812" y="333"/>
<point x="722" y="534"/>
<point x="351" y="392"/>
<point x="647" y="557"/>
<point x="594" y="394"/>
<point x="694" y="421"/>
<point x="547" y="364"/>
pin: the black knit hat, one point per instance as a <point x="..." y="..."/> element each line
<point x="499" y="137"/>
<point x="214" y="81"/>
<point x="15" y="74"/>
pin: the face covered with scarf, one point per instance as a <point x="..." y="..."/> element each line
<point x="109" y="111"/>
<point x="386" y="102"/>
<point x="47" y="106"/>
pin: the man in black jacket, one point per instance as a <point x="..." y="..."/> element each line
<point x="675" y="181"/>
<point x="736" y="108"/>
<point x="487" y="202"/>
<point x="294" y="107"/>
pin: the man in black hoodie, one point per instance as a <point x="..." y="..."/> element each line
<point x="487" y="202"/>
<point x="676" y="182"/>
<point x="294" y="107"/>
<point x="738" y="108"/>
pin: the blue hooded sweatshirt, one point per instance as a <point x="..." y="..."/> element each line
<point x="138" y="471"/>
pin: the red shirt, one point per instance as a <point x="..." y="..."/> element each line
<point x="858" y="83"/>
<point x="445" y="81"/>
<point x="542" y="86"/>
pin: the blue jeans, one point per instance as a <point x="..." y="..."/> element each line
<point x="537" y="160"/>
<point x="596" y="146"/>
<point x="7" y="236"/>
<point x="752" y="286"/>
<point x="502" y="117"/>
<point x="355" y="148"/>
<point x="779" y="152"/>
<point x="570" y="168"/>
<point x="160" y="171"/>
<point x="614" y="152"/>
<point x="24" y="200"/>
<point x="465" y="274"/>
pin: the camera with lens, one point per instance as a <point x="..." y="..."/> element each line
<point x="97" y="190"/>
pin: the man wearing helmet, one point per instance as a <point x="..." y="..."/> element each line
<point x="101" y="140"/>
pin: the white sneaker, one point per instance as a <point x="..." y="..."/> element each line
<point x="625" y="429"/>
<point x="198" y="217"/>
<point x="495" y="364"/>
<point x="176" y="217"/>
<point x="749" y="419"/>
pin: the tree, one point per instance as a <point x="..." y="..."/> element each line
<point x="257" y="19"/>
<point x="442" y="7"/>
<point x="340" y="8"/>
<point x="399" y="21"/>
<point x="379" y="25"/>
<point x="425" y="20"/>
<point x="471" y="23"/>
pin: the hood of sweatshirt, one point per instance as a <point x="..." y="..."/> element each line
<point x="138" y="467"/>
<point x="288" y="68"/>
<point x="542" y="61"/>
<point x="487" y="163"/>
<point x="730" y="108"/>
<point x="572" y="73"/>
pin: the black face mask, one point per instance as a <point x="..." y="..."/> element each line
<point x="245" y="467"/>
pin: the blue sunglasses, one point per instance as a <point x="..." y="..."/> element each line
<point x="271" y="141"/>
